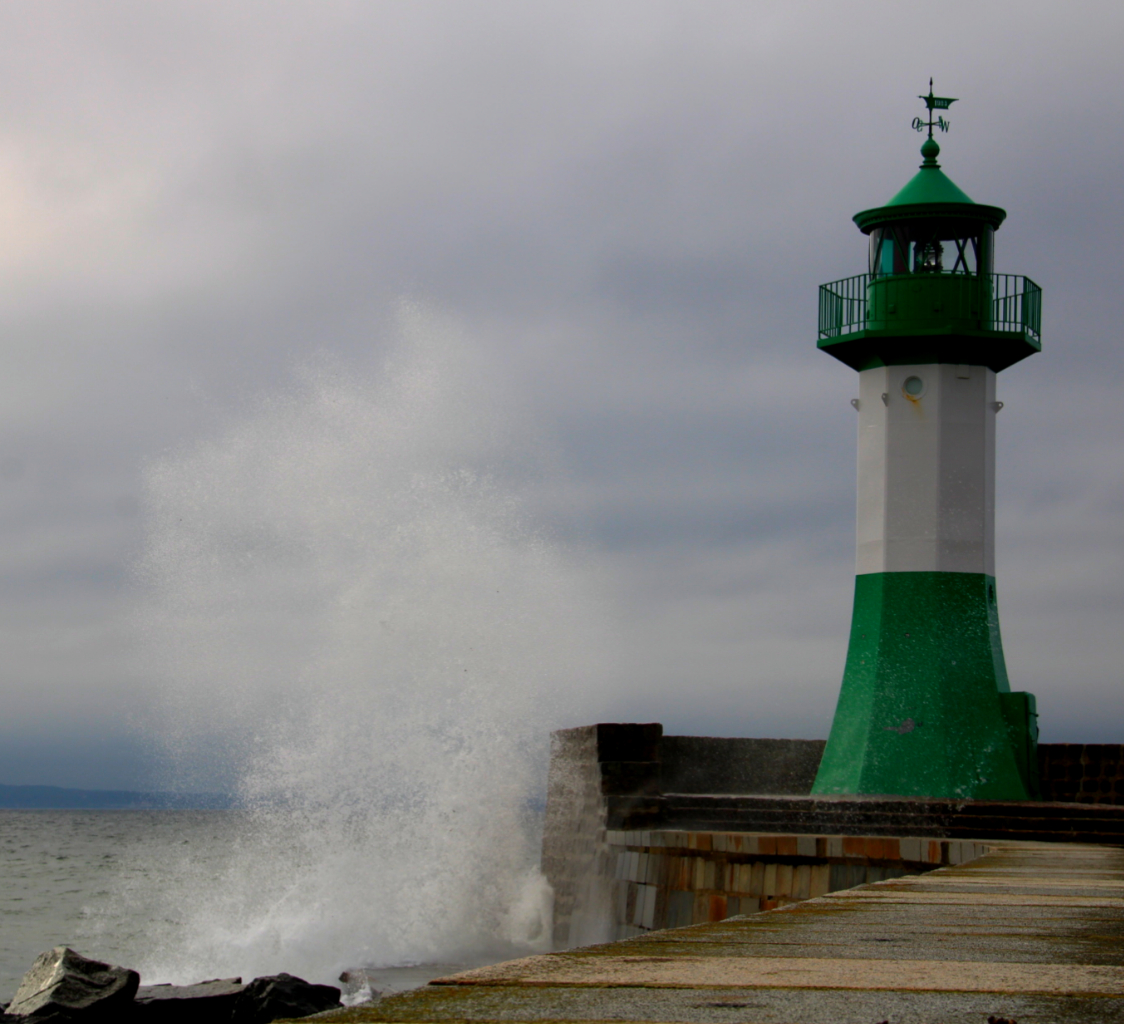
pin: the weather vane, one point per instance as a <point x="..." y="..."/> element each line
<point x="934" y="103"/>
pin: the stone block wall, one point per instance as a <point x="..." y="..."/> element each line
<point x="1082" y="773"/>
<point x="611" y="779"/>
<point x="724" y="765"/>
<point x="587" y="765"/>
<point x="667" y="879"/>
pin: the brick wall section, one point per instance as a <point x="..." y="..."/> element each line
<point x="1082" y="773"/>
<point x="667" y="879"/>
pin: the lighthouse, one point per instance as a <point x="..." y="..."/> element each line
<point x="926" y="708"/>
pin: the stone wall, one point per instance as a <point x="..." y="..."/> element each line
<point x="637" y="760"/>
<point x="587" y="765"/>
<point x="712" y="764"/>
<point x="1085" y="773"/>
<point x="1082" y="773"/>
<point x="616" y="780"/>
<point x="669" y="879"/>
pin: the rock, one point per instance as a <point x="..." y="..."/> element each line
<point x="64" y="984"/>
<point x="281" y="995"/>
<point x="170" y="1004"/>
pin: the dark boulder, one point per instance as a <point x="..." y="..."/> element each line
<point x="170" y="1004"/>
<point x="64" y="985"/>
<point x="281" y="995"/>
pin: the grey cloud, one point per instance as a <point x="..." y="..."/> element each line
<point x="630" y="207"/>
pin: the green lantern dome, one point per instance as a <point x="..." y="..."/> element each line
<point x="930" y="193"/>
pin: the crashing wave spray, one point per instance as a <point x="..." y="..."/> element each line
<point x="345" y="587"/>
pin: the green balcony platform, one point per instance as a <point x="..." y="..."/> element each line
<point x="991" y="320"/>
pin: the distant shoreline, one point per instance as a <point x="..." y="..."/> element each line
<point x="59" y="798"/>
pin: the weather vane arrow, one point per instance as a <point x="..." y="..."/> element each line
<point x="934" y="103"/>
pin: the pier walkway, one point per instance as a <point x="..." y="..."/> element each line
<point x="1029" y="932"/>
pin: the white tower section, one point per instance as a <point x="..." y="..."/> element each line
<point x="926" y="469"/>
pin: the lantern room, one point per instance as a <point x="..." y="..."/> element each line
<point x="931" y="227"/>
<point x="930" y="293"/>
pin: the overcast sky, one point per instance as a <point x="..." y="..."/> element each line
<point x="623" y="211"/>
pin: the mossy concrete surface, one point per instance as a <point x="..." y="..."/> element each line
<point x="1028" y="932"/>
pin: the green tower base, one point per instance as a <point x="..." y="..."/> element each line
<point x="925" y="708"/>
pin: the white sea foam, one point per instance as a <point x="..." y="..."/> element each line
<point x="348" y="599"/>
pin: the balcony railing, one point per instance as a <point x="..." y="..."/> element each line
<point x="990" y="302"/>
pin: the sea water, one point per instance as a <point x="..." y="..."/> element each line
<point x="91" y="879"/>
<point x="63" y="875"/>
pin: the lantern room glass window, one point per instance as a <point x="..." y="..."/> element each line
<point x="931" y="247"/>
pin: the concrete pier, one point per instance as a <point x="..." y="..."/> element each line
<point x="1028" y="932"/>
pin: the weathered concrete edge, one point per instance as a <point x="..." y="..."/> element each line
<point x="459" y="1002"/>
<point x="374" y="1010"/>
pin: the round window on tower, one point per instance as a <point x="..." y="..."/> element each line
<point x="913" y="387"/>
